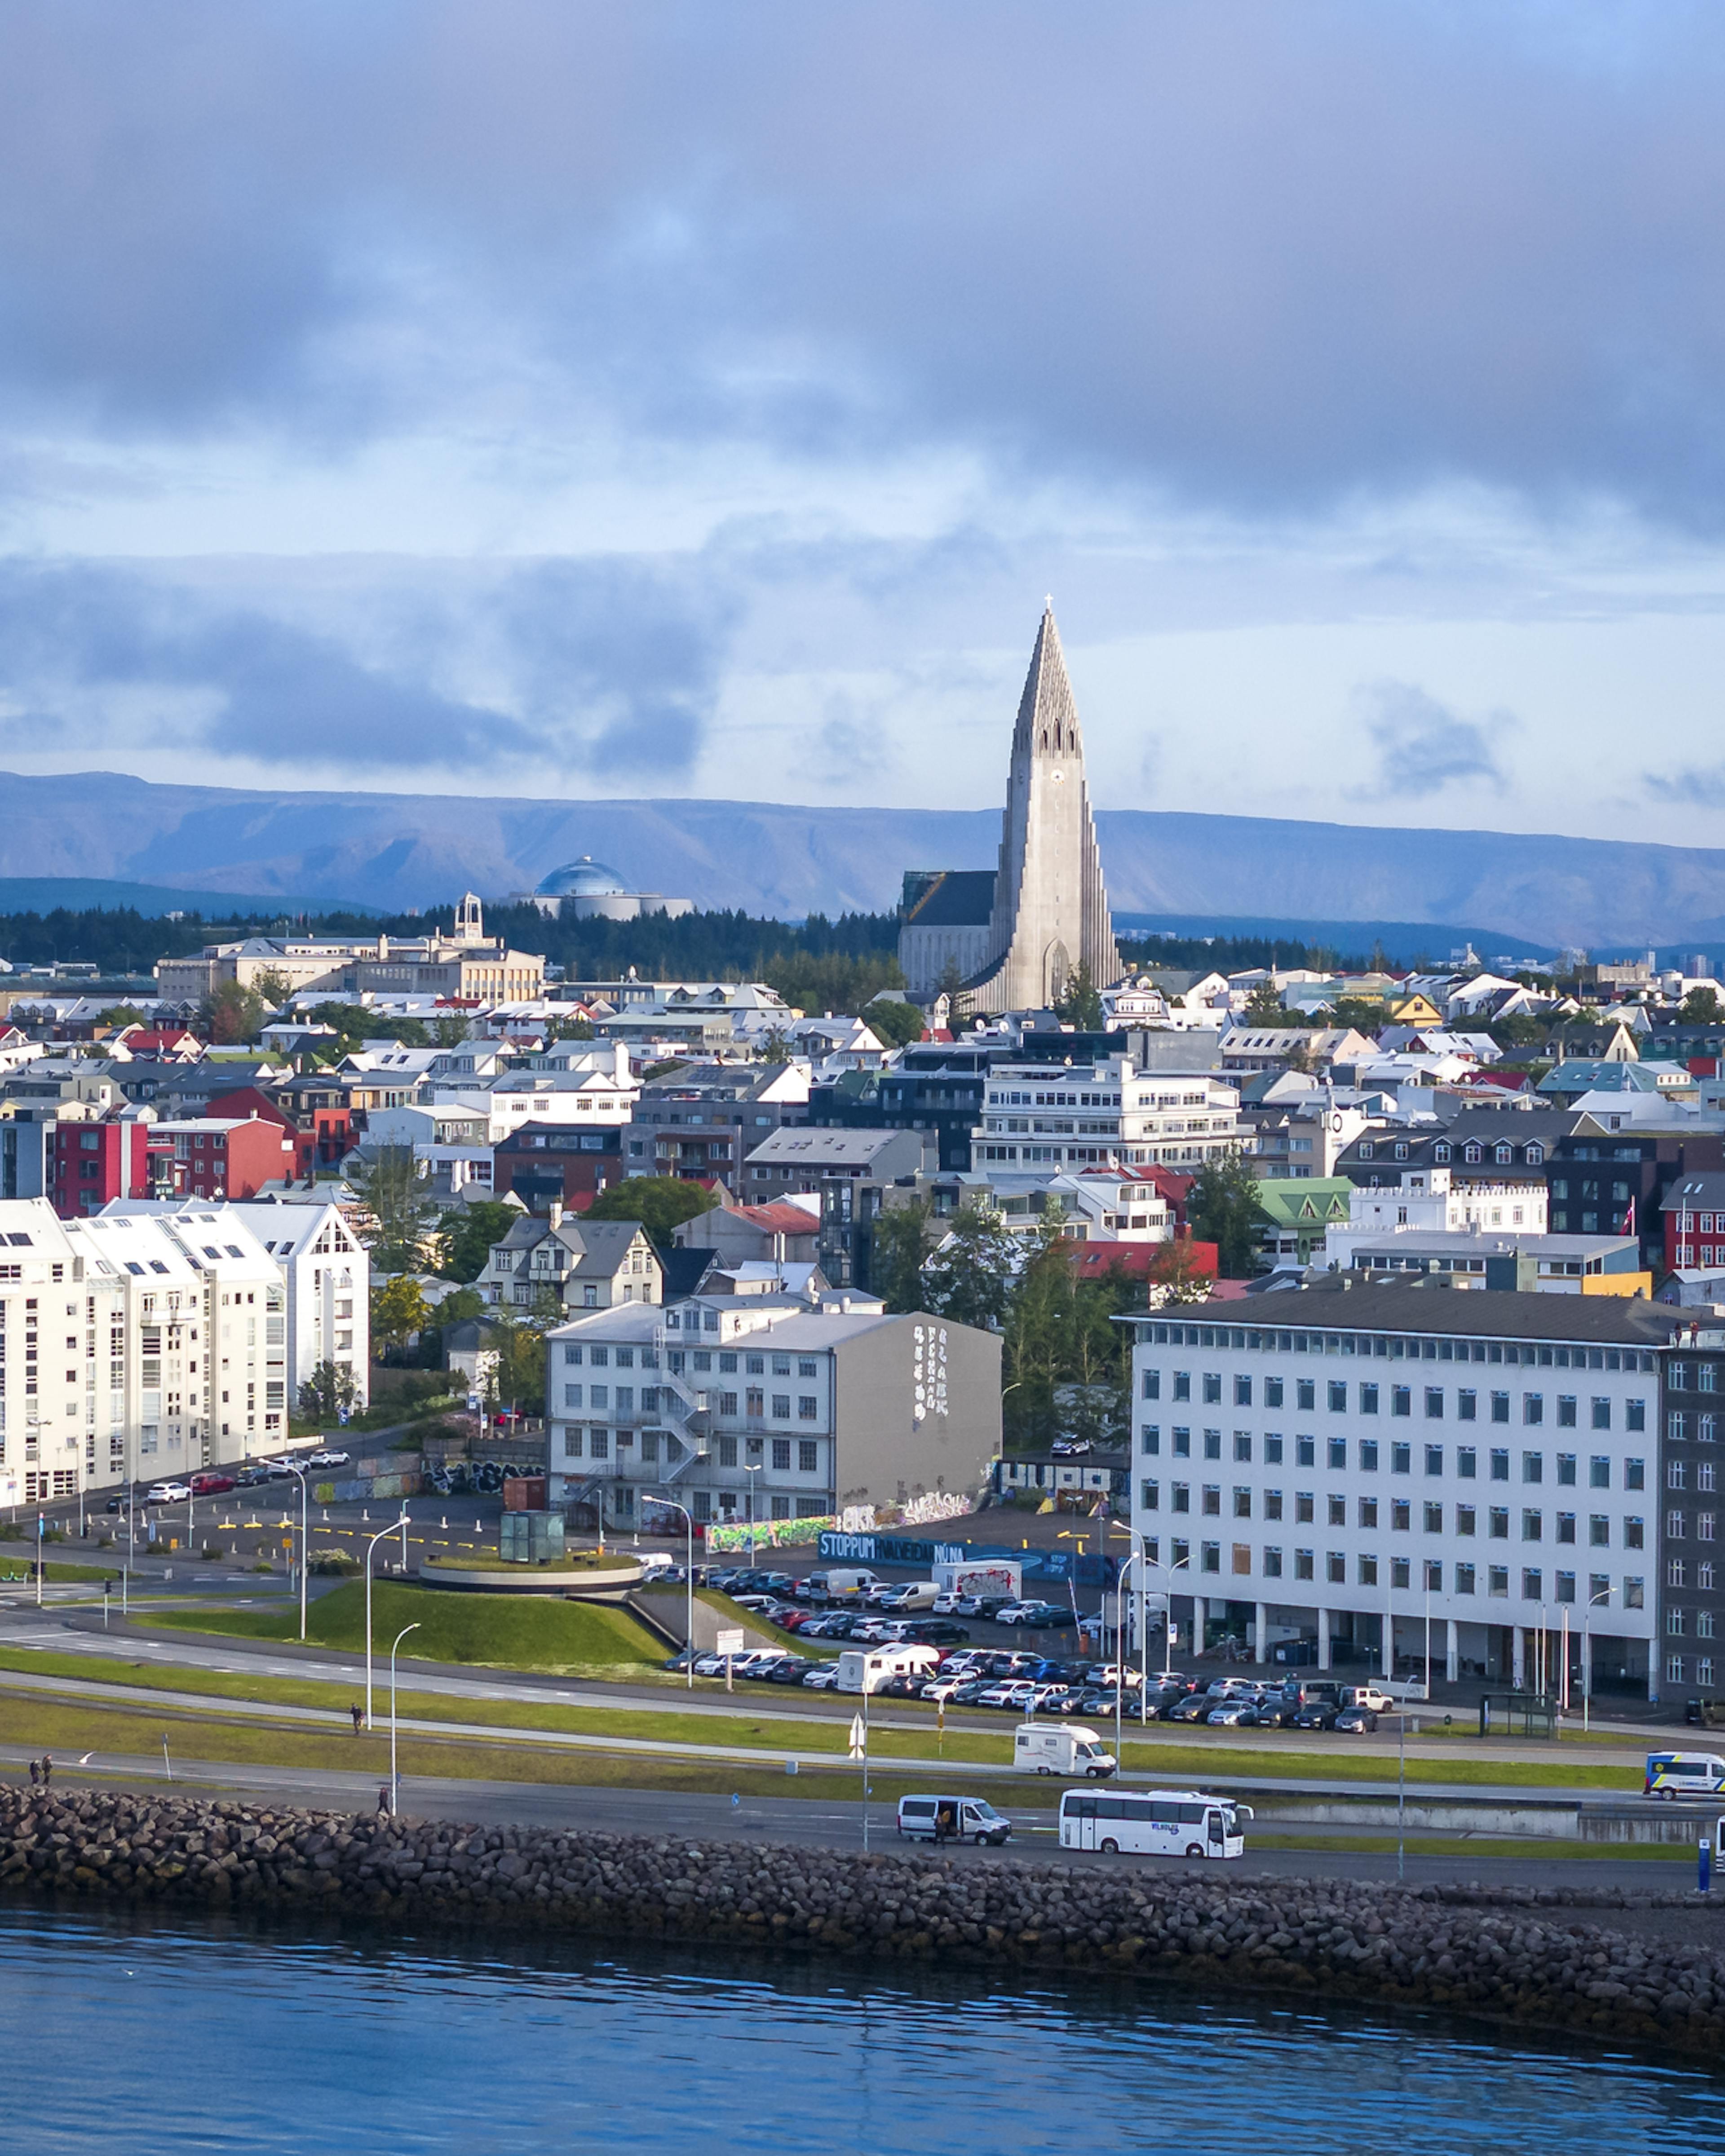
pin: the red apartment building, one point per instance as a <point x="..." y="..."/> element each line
<point x="84" y="1165"/>
<point x="1695" y="1224"/>
<point x="216" y="1156"/>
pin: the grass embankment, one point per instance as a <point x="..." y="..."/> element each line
<point x="548" y="1637"/>
<point x="768" y="1633"/>
<point x="16" y="1571"/>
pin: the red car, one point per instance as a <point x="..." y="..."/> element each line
<point x="210" y="1484"/>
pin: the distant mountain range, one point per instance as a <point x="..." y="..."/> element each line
<point x="393" y="851"/>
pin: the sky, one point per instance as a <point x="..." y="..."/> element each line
<point x="579" y="401"/>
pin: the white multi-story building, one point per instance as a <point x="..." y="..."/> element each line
<point x="766" y="1407"/>
<point x="324" y="1274"/>
<point x="1109" y="1113"/>
<point x="1426" y="1201"/>
<point x="1344" y="1466"/>
<point x="64" y="1359"/>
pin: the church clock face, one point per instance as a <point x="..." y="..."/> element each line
<point x="1058" y="777"/>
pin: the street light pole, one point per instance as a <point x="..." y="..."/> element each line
<point x="1587" y="1658"/>
<point x="688" y="1582"/>
<point x="752" y="1471"/>
<point x="370" y="1550"/>
<point x="1167" y="1621"/>
<point x="394" y="1773"/>
<point x="305" y="1543"/>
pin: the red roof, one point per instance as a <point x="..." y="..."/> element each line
<point x="779" y="1218"/>
<point x="1091" y="1260"/>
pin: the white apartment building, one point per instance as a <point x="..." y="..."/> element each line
<point x="1055" y="1117"/>
<point x="764" y="1407"/>
<point x="1426" y="1201"/>
<point x="1347" y="1464"/>
<point x="323" y="1269"/>
<point x="593" y="1098"/>
<point x="64" y="1359"/>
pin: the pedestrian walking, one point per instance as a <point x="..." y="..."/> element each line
<point x="35" y="1775"/>
<point x="359" y="1715"/>
<point x="47" y="1770"/>
<point x="384" y="1801"/>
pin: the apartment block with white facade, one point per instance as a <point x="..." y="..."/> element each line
<point x="766" y="1407"/>
<point x="1055" y="1117"/>
<point x="65" y="1359"/>
<point x="1342" y="1465"/>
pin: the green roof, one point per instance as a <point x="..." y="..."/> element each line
<point x="1305" y="1202"/>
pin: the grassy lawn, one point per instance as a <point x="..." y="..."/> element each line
<point x="1222" y="1763"/>
<point x="16" y="1569"/>
<point x="1426" y="1844"/>
<point x="557" y="1638"/>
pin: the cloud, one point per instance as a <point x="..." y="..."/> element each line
<point x="1423" y="746"/>
<point x="604" y="667"/>
<point x="1343" y="250"/>
<point x="1690" y="787"/>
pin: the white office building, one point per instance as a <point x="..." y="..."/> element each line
<point x="1057" y="1117"/>
<point x="64" y="1359"/>
<point x="1342" y="1467"/>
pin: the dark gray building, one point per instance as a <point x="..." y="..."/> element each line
<point x="1691" y="1590"/>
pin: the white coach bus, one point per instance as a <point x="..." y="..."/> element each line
<point x="1153" y="1823"/>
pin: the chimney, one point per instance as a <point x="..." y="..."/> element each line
<point x="557" y="1212"/>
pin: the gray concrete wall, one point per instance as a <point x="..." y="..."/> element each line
<point x="883" y="1455"/>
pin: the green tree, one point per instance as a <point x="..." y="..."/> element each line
<point x="1701" y="1006"/>
<point x="518" y="1379"/>
<point x="950" y="985"/>
<point x="1080" y="1007"/>
<point x="330" y="1389"/>
<point x="660" y="1202"/>
<point x="1521" y="1030"/>
<point x="1175" y="1275"/>
<point x="230" y="1014"/>
<point x="573" y="1029"/>
<point x="894" y="1024"/>
<point x="273" y="986"/>
<point x="450" y="1031"/>
<point x="1264" y="1006"/>
<point x="457" y="1308"/>
<point x="1224" y="1209"/>
<point x="122" y="1014"/>
<point x="467" y="1234"/>
<point x="897" y="1246"/>
<point x="969" y="1278"/>
<point x="387" y="1182"/>
<point x="399" y="1312"/>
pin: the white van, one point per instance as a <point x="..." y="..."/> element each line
<point x="840" y="1586"/>
<point x="1153" y="1823"/>
<point x="1045" y="1748"/>
<point x="958" y="1819"/>
<point x="1684" y="1774"/>
<point x="866" y="1669"/>
<point x="912" y="1594"/>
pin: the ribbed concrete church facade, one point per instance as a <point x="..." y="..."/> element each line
<point x="1017" y="934"/>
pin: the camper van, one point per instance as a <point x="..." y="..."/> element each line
<point x="1153" y="1823"/>
<point x="1042" y="1747"/>
<point x="866" y="1669"/>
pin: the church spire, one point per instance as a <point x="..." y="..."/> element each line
<point x="1048" y="712"/>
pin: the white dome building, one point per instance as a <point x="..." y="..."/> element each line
<point x="588" y="891"/>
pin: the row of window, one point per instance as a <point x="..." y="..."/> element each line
<point x="1415" y="1347"/>
<point x="1272" y="1448"/>
<point x="1677" y="1665"/>
<point x="580" y="1443"/>
<point x="1567" y="1411"/>
<point x="621" y="1400"/>
<point x="623" y="1358"/>
<point x="1398" y="1514"/>
<point x="1403" y="1573"/>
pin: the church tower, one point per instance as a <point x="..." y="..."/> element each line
<point x="1050" y="911"/>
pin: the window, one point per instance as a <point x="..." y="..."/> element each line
<point x="1338" y="1454"/>
<point x="1635" y="1415"/>
<point x="571" y="1355"/>
<point x="598" y="1396"/>
<point x="1599" y="1532"/>
<point x="1368" y="1455"/>
<point x="728" y="1403"/>
<point x="1242" y="1392"/>
<point x="1369" y="1399"/>
<point x="727" y="1451"/>
<point x="1599" y="1473"/>
<point x="1272" y="1563"/>
<point x="1399" y="1569"/>
<point x="1602" y="1414"/>
<point x="1533" y="1584"/>
<point x="1242" y="1504"/>
<point x="599" y="1357"/>
<point x="1181" y="1493"/>
<point x="1272" y="1504"/>
<point x="1674" y="1526"/>
<point x="1305" y="1392"/>
<point x="1243" y="1445"/>
<point x="1434" y="1459"/>
<point x="1401" y="1516"/>
<point x="1566" y="1586"/>
<point x="1153" y="1384"/>
<point x="1303" y="1504"/>
<point x="1500" y="1407"/>
<point x="1467" y="1406"/>
<point x="1368" y="1512"/>
<point x="1303" y="1564"/>
<point x="1566" y="1470"/>
<point x="1272" y="1450"/>
<point x="1500" y="1466"/>
<point x="1467" y="1462"/>
<point x="1150" y="1440"/>
<point x="1211" y="1387"/>
<point x="572" y="1444"/>
<point x="1676" y="1474"/>
<point x="1532" y="1525"/>
<point x="1463" y="1580"/>
<point x="1182" y="1445"/>
<point x="1498" y="1523"/>
<point x="1273" y="1392"/>
<point x="754" y="1366"/>
<point x="1339" y="1397"/>
<point x="601" y="1445"/>
<point x="1401" y="1400"/>
<point x="1533" y="1467"/>
<point x="807" y="1366"/>
<point x="1401" y="1460"/>
<point x="1150" y="1496"/>
<point x="1305" y="1451"/>
<point x="1183" y="1384"/>
<point x="807" y="1456"/>
<point x="1366" y="1572"/>
<point x="1433" y="1518"/>
<point x="1566" y="1410"/>
<point x="1212" y="1500"/>
<point x="1634" y="1592"/>
<point x="1532" y="1408"/>
<point x="1497" y="1579"/>
<point x="1336" y="1565"/>
<point x="808" y="1407"/>
<point x="571" y="1396"/>
<point x="781" y="1406"/>
<point x="1213" y="1445"/>
<point x="1210" y="1557"/>
<point x="780" y="1456"/>
<point x="1566" y="1527"/>
<point x="1433" y="1404"/>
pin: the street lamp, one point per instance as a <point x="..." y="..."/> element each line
<point x="1587" y="1658"/>
<point x="1168" y="1622"/>
<point x="394" y="1774"/>
<point x="755" y="1467"/>
<point x="688" y="1580"/>
<point x="371" y="1548"/>
<point x="305" y="1542"/>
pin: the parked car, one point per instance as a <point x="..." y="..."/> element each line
<point x="212" y="1483"/>
<point x="1356" y="1721"/>
<point x="1320" y="1715"/>
<point x="168" y="1493"/>
<point x="953" y="1605"/>
<point x="823" y="1677"/>
<point x="1194" y="1707"/>
<point x="1037" y="1614"/>
<point x="1070" y="1448"/>
<point x="1232" y="1713"/>
<point x="328" y="1458"/>
<point x="1370" y="1697"/>
<point x="1015" y="1693"/>
<point x="791" y="1669"/>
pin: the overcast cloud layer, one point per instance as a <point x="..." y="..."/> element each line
<point x="569" y="399"/>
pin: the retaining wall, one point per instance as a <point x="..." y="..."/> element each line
<point x="1521" y="1955"/>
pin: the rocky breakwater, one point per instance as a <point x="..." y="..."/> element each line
<point x="1515" y="1955"/>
